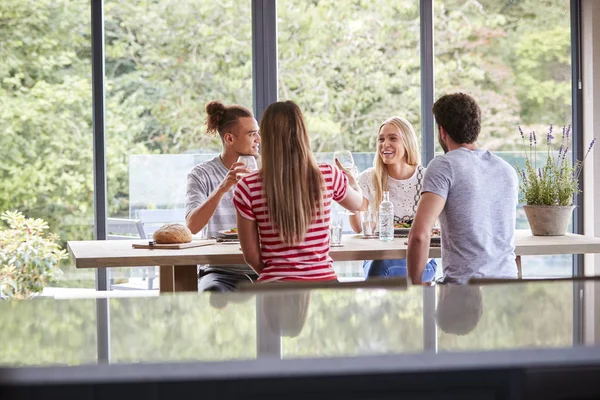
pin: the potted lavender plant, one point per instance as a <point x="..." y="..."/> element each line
<point x="548" y="190"/>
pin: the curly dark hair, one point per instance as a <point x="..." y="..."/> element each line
<point x="221" y="118"/>
<point x="459" y="115"/>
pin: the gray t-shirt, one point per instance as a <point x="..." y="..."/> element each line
<point x="201" y="182"/>
<point x="478" y="220"/>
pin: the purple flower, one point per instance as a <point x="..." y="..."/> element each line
<point x="534" y="138"/>
<point x="565" y="153"/>
<point x="530" y="138"/>
<point x="521" y="132"/>
<point x="550" y="137"/>
<point x="540" y="173"/>
<point x="568" y="131"/>
<point x="592" y="144"/>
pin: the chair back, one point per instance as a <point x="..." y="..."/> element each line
<point x="153" y="219"/>
<point x="124" y="228"/>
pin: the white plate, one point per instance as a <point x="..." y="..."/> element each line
<point x="227" y="234"/>
<point x="401" y="231"/>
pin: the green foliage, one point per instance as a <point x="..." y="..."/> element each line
<point x="48" y="332"/>
<point x="29" y="259"/>
<point x="529" y="315"/>
<point x="552" y="184"/>
<point x="349" y="65"/>
<point x="490" y="49"/>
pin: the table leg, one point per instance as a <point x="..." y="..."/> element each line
<point x="180" y="278"/>
<point x="185" y="278"/>
<point x="166" y="279"/>
<point x="519" y="269"/>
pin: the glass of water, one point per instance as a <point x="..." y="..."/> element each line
<point x="251" y="164"/>
<point x="345" y="158"/>
<point x="202" y="234"/>
<point x="369" y="218"/>
<point x="335" y="232"/>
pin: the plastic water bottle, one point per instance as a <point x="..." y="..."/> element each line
<point x="386" y="218"/>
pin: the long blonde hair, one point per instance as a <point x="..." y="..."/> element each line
<point x="292" y="180"/>
<point x="409" y="140"/>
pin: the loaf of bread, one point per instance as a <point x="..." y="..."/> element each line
<point x="172" y="233"/>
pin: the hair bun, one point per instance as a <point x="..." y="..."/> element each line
<point x="215" y="110"/>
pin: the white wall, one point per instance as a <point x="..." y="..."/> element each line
<point x="590" y="20"/>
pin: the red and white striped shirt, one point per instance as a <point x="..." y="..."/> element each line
<point x="308" y="260"/>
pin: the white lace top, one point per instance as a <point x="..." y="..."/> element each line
<point x="402" y="192"/>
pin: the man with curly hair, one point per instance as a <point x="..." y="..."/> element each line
<point x="474" y="193"/>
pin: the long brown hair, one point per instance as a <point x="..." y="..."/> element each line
<point x="292" y="180"/>
<point x="409" y="140"/>
<point x="222" y="119"/>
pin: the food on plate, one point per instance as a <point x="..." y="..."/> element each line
<point x="232" y="231"/>
<point x="172" y="233"/>
<point x="435" y="232"/>
<point x="403" y="223"/>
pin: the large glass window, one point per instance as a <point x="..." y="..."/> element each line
<point x="349" y="67"/>
<point x="514" y="58"/>
<point x="46" y="166"/>
<point x="164" y="61"/>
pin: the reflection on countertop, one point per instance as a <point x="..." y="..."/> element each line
<point x="300" y="324"/>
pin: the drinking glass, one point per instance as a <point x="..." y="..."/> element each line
<point x="370" y="218"/>
<point x="345" y="158"/>
<point x="250" y="163"/>
<point x="335" y="231"/>
<point x="202" y="233"/>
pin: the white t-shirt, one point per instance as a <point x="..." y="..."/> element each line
<point x="402" y="192"/>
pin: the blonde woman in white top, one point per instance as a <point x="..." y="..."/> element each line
<point x="397" y="170"/>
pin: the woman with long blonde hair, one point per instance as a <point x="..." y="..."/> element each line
<point x="397" y="170"/>
<point x="283" y="210"/>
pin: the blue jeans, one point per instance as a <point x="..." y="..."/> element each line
<point x="396" y="268"/>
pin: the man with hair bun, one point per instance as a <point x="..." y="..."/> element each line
<point x="209" y="198"/>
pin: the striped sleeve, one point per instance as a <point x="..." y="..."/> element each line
<point x="340" y="184"/>
<point x="242" y="200"/>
